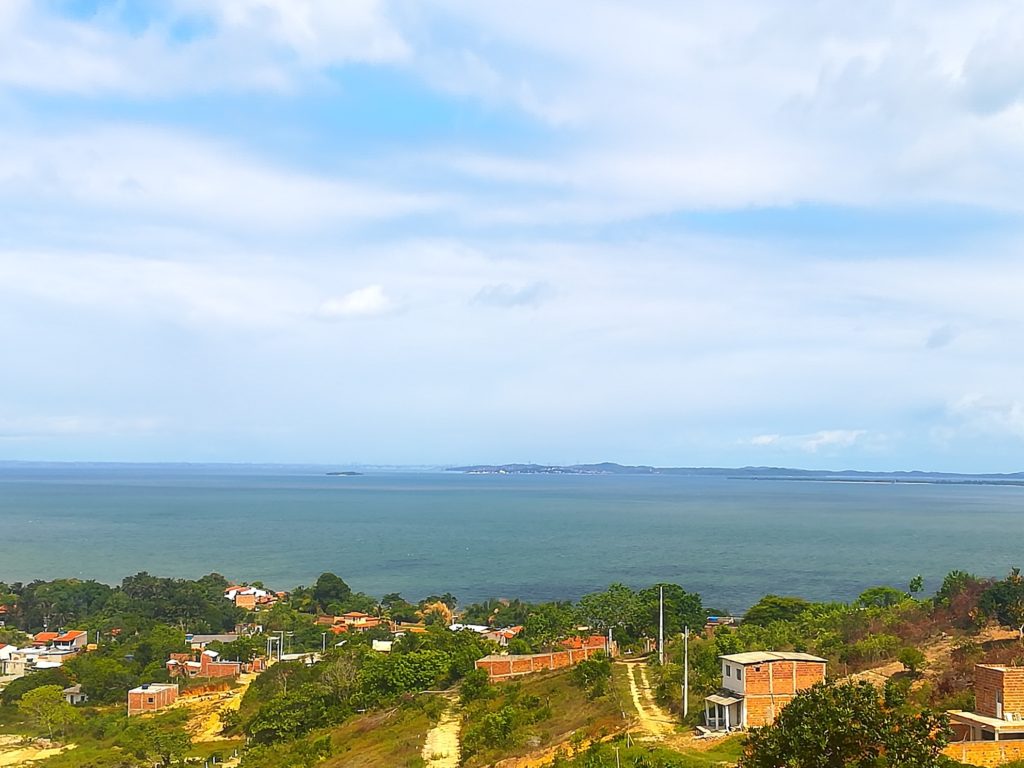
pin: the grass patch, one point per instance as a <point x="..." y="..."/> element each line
<point x="537" y="712"/>
<point x="609" y="754"/>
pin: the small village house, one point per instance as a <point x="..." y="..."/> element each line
<point x="757" y="685"/>
<point x="74" y="695"/>
<point x="208" y="664"/>
<point x="151" y="697"/>
<point x="72" y="640"/>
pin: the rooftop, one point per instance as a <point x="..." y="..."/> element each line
<point x="761" y="657"/>
<point x="973" y="718"/>
<point x="153" y="687"/>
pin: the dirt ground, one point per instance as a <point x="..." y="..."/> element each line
<point x="654" y="723"/>
<point x="937" y="653"/>
<point x="441" y="748"/>
<point x="14" y="751"/>
<point x="205" y="711"/>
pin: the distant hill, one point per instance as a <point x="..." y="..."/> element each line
<point x="749" y="473"/>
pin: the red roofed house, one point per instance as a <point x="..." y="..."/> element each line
<point x="73" y="640"/>
<point x="43" y="639"/>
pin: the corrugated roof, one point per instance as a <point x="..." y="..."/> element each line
<point x="760" y="657"/>
<point x="724" y="698"/>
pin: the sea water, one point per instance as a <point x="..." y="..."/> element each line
<point x="536" y="537"/>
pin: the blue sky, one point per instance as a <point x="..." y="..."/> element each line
<point x="446" y="231"/>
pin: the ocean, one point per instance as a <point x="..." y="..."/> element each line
<point x="536" y="537"/>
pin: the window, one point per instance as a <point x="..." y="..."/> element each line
<point x="728" y="671"/>
<point x="739" y="673"/>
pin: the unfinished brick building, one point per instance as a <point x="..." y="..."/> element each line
<point x="151" y="697"/>
<point x="757" y="685"/>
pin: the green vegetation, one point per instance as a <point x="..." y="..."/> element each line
<point x="848" y="725"/>
<point x="508" y="719"/>
<point x="618" y="753"/>
<point x="361" y="707"/>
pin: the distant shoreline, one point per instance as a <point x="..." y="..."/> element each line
<point x="751" y="473"/>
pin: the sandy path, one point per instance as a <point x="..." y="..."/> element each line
<point x="441" y="749"/>
<point x="13" y="751"/>
<point x="650" y="716"/>
<point x="205" y="711"/>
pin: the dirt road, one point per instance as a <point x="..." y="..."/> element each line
<point x="654" y="722"/>
<point x="441" y="748"/>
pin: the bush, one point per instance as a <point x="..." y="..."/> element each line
<point x="912" y="659"/>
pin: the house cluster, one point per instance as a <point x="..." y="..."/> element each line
<point x="48" y="650"/>
<point x="252" y="598"/>
<point x="501" y="635"/>
<point x="208" y="664"/>
<point x="353" y="621"/>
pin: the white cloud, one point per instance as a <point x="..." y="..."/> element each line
<point x="22" y="428"/>
<point x="989" y="414"/>
<point x="362" y="302"/>
<point x="174" y="176"/>
<point x="239" y="44"/>
<point x="815" y="442"/>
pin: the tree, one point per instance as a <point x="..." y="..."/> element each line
<point x="771" y="608"/>
<point x="618" y="607"/>
<point x="881" y="597"/>
<point x="913" y="659"/>
<point x="156" y="740"/>
<point x="104" y="680"/>
<point x="330" y="588"/>
<point x="847" y="725"/>
<point x="45" y="706"/>
<point x="1004" y="601"/>
<point x="916" y="584"/>
<point x="18" y="688"/>
<point x="682" y="609"/>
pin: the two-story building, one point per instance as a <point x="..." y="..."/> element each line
<point x="757" y="685"/>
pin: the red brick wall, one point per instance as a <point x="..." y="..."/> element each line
<point x="986" y="753"/>
<point x="986" y="683"/>
<point x="140" y="702"/>
<point x="769" y="686"/>
<point x="514" y="666"/>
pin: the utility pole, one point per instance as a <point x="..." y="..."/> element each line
<point x="661" y="626"/>
<point x="686" y="671"/>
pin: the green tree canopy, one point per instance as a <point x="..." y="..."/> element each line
<point x="847" y="726"/>
<point x="330" y="588"/>
<point x="772" y="608"/>
<point x="45" y="707"/>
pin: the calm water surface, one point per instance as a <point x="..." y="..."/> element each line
<point x="478" y="536"/>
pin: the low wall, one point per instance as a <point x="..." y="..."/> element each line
<point x="504" y="667"/>
<point x="987" y="754"/>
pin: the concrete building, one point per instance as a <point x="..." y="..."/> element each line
<point x="757" y="685"/>
<point x="151" y="697"/>
<point x="74" y="695"/>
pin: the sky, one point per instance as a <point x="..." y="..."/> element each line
<point x="447" y="231"/>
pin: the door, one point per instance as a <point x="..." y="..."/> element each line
<point x="999" y="705"/>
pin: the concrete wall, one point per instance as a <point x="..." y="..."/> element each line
<point x="986" y="753"/>
<point x="504" y="667"/>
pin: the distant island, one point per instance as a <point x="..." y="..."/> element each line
<point x="748" y="473"/>
<point x="343" y="474"/>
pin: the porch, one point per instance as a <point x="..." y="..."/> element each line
<point x="723" y="711"/>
